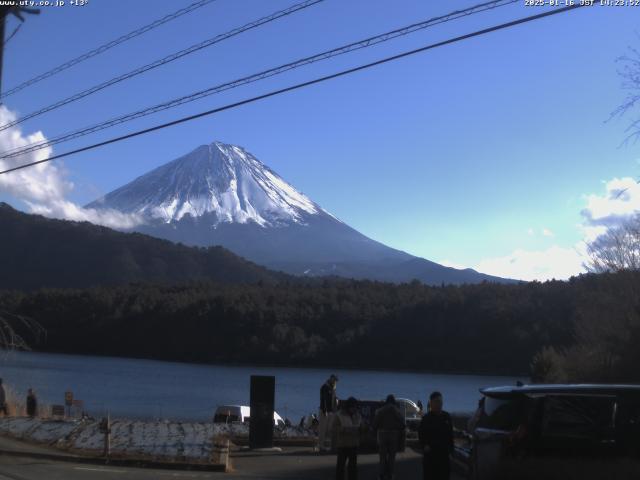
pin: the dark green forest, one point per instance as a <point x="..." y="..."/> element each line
<point x="40" y="252"/>
<point x="584" y="329"/>
<point x="137" y="296"/>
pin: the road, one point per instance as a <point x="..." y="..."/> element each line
<point x="291" y="463"/>
<point x="269" y="466"/>
<point x="23" y="468"/>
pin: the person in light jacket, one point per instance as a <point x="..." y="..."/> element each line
<point x="389" y="425"/>
<point x="346" y="427"/>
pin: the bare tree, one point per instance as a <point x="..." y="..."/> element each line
<point x="617" y="249"/>
<point x="629" y="72"/>
<point x="12" y="330"/>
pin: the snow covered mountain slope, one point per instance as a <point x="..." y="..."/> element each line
<point x="219" y="179"/>
<point x="220" y="194"/>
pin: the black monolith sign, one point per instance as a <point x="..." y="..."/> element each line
<point x="263" y="389"/>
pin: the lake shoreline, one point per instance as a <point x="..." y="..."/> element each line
<point x="327" y="366"/>
<point x="146" y="388"/>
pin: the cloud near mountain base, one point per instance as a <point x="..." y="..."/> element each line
<point x="44" y="188"/>
<point x="553" y="262"/>
<point x="619" y="202"/>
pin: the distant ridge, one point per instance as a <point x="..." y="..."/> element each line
<point x="37" y="252"/>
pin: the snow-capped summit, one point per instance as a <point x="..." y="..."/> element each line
<point x="220" y="194"/>
<point x="219" y="179"/>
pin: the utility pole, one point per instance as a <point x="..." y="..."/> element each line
<point x="4" y="12"/>
<point x="17" y="12"/>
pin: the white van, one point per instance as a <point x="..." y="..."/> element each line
<point x="411" y="412"/>
<point x="409" y="408"/>
<point x="240" y="414"/>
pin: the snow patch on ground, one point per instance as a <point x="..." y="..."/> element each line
<point x="183" y="441"/>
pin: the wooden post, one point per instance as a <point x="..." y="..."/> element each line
<point x="107" y="437"/>
<point x="105" y="427"/>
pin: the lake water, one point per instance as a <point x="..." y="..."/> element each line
<point x="154" y="389"/>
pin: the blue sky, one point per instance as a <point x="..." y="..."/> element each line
<point x="464" y="154"/>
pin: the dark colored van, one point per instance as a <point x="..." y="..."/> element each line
<point x="550" y="420"/>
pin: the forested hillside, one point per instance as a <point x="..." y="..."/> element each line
<point x="39" y="252"/>
<point x="588" y="327"/>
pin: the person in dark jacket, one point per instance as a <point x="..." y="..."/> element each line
<point x="436" y="437"/>
<point x="328" y="398"/>
<point x="389" y="425"/>
<point x="3" y="400"/>
<point x="328" y="407"/>
<point x="32" y="403"/>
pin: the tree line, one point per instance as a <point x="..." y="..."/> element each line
<point x="582" y="329"/>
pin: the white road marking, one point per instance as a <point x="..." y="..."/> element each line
<point x="109" y="470"/>
<point x="106" y="470"/>
<point x="188" y="475"/>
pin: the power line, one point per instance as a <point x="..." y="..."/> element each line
<point x="298" y="86"/>
<point x="163" y="61"/>
<point x="107" y="46"/>
<point x="12" y="34"/>
<point x="258" y="76"/>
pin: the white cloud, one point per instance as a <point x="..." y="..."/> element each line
<point x="544" y="232"/>
<point x="44" y="187"/>
<point x="553" y="262"/>
<point x="449" y="263"/>
<point x="619" y="201"/>
<point x="71" y="211"/>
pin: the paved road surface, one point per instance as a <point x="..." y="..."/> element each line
<point x="246" y="466"/>
<point x="19" y="468"/>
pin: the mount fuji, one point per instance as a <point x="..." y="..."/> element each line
<point x="220" y="194"/>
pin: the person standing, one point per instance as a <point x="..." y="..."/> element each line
<point x="3" y="400"/>
<point x="389" y="425"/>
<point x="346" y="426"/>
<point x="436" y="437"/>
<point x="328" y="407"/>
<point x="32" y="403"/>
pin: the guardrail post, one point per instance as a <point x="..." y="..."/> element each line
<point x="105" y="427"/>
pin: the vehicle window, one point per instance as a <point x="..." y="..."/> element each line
<point x="580" y="417"/>
<point x="628" y="412"/>
<point x="407" y="409"/>
<point x="501" y="414"/>
<point x="410" y="410"/>
<point x="224" y="418"/>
